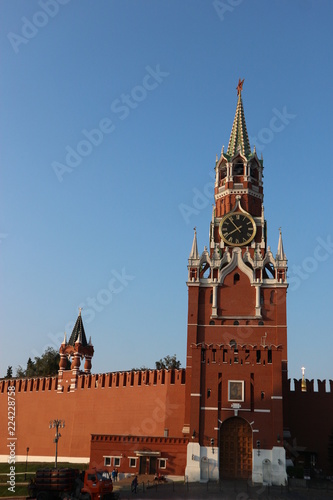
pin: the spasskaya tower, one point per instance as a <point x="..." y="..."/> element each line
<point x="237" y="331"/>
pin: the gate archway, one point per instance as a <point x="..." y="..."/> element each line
<point x="235" y="449"/>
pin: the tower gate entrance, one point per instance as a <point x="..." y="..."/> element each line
<point x="235" y="449"/>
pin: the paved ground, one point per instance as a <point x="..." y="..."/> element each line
<point x="226" y="490"/>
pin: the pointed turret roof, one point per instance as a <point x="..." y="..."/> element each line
<point x="194" y="251"/>
<point x="280" y="251"/>
<point x="78" y="332"/>
<point x="239" y="139"/>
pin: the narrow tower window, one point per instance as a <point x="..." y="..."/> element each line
<point x="236" y="278"/>
<point x="233" y="345"/>
<point x="269" y="356"/>
<point x="238" y="168"/>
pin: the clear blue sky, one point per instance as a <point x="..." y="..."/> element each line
<point x="158" y="79"/>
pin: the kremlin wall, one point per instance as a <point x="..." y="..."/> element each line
<point x="105" y="410"/>
<point x="231" y="413"/>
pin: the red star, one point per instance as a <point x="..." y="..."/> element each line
<point x="239" y="86"/>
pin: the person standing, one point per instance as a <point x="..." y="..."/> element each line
<point x="134" y="484"/>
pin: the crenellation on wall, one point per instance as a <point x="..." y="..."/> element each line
<point x="322" y="387"/>
<point x="64" y="383"/>
<point x="34" y="384"/>
<point x="245" y="354"/>
<point x="120" y="438"/>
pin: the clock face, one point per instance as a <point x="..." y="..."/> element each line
<point x="237" y="229"/>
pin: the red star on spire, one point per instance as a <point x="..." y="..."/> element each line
<point x="240" y="86"/>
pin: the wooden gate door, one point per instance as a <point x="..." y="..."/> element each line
<point x="153" y="465"/>
<point x="235" y="449"/>
<point x="142" y="465"/>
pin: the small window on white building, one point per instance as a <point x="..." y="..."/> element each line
<point x="107" y="461"/>
<point x="162" y="463"/>
<point x="116" y="461"/>
<point x="132" y="461"/>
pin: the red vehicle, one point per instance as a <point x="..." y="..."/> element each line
<point x="71" y="484"/>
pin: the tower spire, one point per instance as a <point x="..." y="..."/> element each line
<point x="239" y="139"/>
<point x="280" y="251"/>
<point x="194" y="251"/>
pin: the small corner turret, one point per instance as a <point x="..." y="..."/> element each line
<point x="75" y="349"/>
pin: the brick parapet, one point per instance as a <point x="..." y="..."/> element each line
<point x="310" y="387"/>
<point x="138" y="439"/>
<point x="97" y="381"/>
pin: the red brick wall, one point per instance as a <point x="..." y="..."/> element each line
<point x="173" y="450"/>
<point x="101" y="404"/>
<point x="309" y="418"/>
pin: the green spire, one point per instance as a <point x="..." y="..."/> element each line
<point x="238" y="136"/>
<point x="78" y="332"/>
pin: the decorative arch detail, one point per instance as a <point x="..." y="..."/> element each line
<point x="236" y="261"/>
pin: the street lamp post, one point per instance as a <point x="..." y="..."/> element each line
<point x="26" y="464"/>
<point x="56" y="424"/>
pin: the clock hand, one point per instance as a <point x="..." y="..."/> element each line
<point x="232" y="222"/>
<point x="237" y="229"/>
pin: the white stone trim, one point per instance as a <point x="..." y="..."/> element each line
<point x="262" y="411"/>
<point x="208" y="408"/>
<point x="276" y="397"/>
<point x="239" y="409"/>
<point x="236" y="261"/>
<point x="194" y="394"/>
<point x="268" y="467"/>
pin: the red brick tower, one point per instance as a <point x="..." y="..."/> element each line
<point x="75" y="349"/>
<point x="237" y="331"/>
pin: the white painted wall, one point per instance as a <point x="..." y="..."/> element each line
<point x="269" y="467"/>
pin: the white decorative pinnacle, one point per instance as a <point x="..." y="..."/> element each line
<point x="89" y="343"/>
<point x="280" y="252"/>
<point x="64" y="342"/>
<point x="216" y="253"/>
<point x="194" y="251"/>
<point x="79" y="339"/>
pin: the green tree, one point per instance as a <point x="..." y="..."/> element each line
<point x="9" y="373"/>
<point x="168" y="362"/>
<point x="45" y="365"/>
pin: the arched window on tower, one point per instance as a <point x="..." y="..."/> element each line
<point x="205" y="271"/>
<point x="233" y="345"/>
<point x="238" y="168"/>
<point x="223" y="174"/>
<point x="236" y="278"/>
<point x="254" y="172"/>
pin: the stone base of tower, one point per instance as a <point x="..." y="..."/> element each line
<point x="202" y="463"/>
<point x="269" y="467"/>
